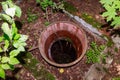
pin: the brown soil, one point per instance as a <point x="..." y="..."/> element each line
<point x="34" y="29"/>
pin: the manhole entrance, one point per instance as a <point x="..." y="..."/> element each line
<point x="62" y="44"/>
<point x="62" y="51"/>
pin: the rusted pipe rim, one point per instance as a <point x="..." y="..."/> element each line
<point x="62" y="26"/>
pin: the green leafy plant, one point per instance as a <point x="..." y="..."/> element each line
<point x="11" y="42"/>
<point x="117" y="78"/>
<point x="45" y="4"/>
<point x="112" y="12"/>
<point x="31" y="16"/>
<point x="49" y="3"/>
<point x="94" y="53"/>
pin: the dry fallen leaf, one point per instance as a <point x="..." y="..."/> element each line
<point x="118" y="69"/>
<point x="61" y="70"/>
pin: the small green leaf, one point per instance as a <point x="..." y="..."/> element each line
<point x="13" y="25"/>
<point x="50" y="3"/>
<point x="5" y="59"/>
<point x="10" y="12"/>
<point x="1" y="39"/>
<point x="19" y="43"/>
<point x="2" y="73"/>
<point x="116" y="78"/>
<point x="116" y="22"/>
<point x="1" y="50"/>
<point x="4" y="6"/>
<point x="10" y="3"/>
<point x="0" y="58"/>
<point x="47" y="23"/>
<point x="6" y="30"/>
<point x="14" y="53"/>
<point x="6" y="37"/>
<point x="11" y="67"/>
<point x="101" y="47"/>
<point x="117" y="4"/>
<point x="23" y="38"/>
<point x="17" y="36"/>
<point x="14" y="29"/>
<point x="18" y="11"/>
<point x="6" y="18"/>
<point x="21" y="48"/>
<point x="13" y="61"/>
<point x="6" y="45"/>
<point x="107" y="2"/>
<point x="5" y="66"/>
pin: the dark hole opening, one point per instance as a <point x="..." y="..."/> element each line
<point x="62" y="51"/>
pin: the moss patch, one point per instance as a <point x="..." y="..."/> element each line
<point x="36" y="68"/>
<point x="70" y="8"/>
<point x="89" y="19"/>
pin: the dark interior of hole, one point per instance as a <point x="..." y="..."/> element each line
<point x="62" y="34"/>
<point x="62" y="51"/>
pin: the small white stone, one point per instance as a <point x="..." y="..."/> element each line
<point x="109" y="60"/>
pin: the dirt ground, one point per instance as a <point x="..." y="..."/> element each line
<point x="33" y="30"/>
